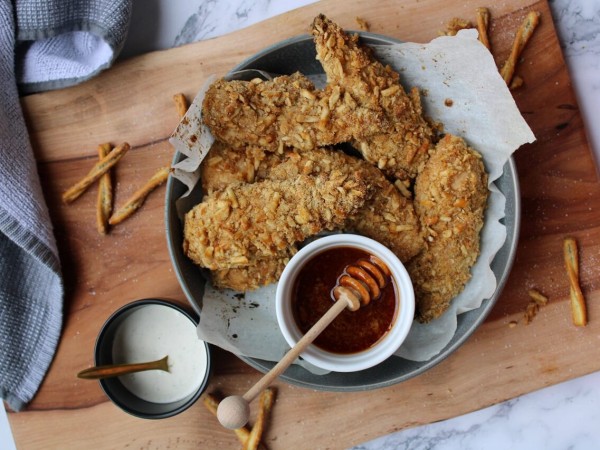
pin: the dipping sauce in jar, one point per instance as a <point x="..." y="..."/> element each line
<point x="351" y="331"/>
<point x="150" y="332"/>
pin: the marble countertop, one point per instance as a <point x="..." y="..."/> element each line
<point x="558" y="417"/>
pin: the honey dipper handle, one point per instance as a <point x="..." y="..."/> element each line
<point x="295" y="351"/>
<point x="233" y="411"/>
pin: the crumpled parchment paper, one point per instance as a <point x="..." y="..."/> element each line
<point x="456" y="70"/>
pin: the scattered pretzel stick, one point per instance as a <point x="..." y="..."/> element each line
<point x="138" y="198"/>
<point x="212" y="404"/>
<point x="181" y="104"/>
<point x="266" y="400"/>
<point x="578" y="306"/>
<point x="522" y="36"/>
<point x="483" y="22"/>
<point x="99" y="169"/>
<point x="105" y="194"/>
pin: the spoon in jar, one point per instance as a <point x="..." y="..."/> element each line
<point x="115" y="370"/>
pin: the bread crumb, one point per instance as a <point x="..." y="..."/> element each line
<point x="363" y="24"/>
<point x="455" y="25"/>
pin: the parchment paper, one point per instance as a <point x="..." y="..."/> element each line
<point x="457" y="68"/>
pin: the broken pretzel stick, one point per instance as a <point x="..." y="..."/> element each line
<point x="538" y="298"/>
<point x="105" y="193"/>
<point x="266" y="400"/>
<point x="243" y="433"/>
<point x="522" y="36"/>
<point x="578" y="306"/>
<point x="483" y="22"/>
<point x="99" y="169"/>
<point x="212" y="404"/>
<point x="181" y="104"/>
<point x="516" y="83"/>
<point x="138" y="198"/>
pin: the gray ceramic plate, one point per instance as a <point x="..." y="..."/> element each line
<point x="298" y="54"/>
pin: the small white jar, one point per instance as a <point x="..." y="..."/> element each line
<point x="381" y="350"/>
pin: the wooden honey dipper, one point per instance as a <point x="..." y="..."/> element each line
<point x="360" y="283"/>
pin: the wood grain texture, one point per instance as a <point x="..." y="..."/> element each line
<point x="133" y="102"/>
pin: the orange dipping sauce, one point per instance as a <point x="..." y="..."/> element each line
<point x="350" y="332"/>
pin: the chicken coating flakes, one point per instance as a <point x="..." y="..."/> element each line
<point x="225" y="165"/>
<point x="401" y="151"/>
<point x="247" y="222"/>
<point x="450" y="198"/>
<point x="286" y="111"/>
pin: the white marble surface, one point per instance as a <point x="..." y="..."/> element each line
<point x="565" y="416"/>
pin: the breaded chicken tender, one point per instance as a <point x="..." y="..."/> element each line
<point x="401" y="151"/>
<point x="386" y="216"/>
<point x="450" y="198"/>
<point x="260" y="272"/>
<point x="287" y="111"/>
<point x="243" y="223"/>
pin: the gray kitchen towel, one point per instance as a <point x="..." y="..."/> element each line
<point x="43" y="44"/>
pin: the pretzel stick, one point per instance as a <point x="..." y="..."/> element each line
<point x="578" y="306"/>
<point x="483" y="22"/>
<point x="181" y="104"/>
<point x="99" y="169"/>
<point x="523" y="35"/>
<point x="105" y="194"/>
<point x="212" y="404"/>
<point x="266" y="403"/>
<point x="138" y="198"/>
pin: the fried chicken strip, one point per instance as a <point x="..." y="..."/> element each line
<point x="450" y="198"/>
<point x="400" y="152"/>
<point x="285" y="112"/>
<point x="222" y="167"/>
<point x="387" y="216"/>
<point x="247" y="222"/>
<point x="260" y="272"/>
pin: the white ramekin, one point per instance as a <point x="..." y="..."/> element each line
<point x="355" y="361"/>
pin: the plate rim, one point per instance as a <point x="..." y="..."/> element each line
<point x="484" y="310"/>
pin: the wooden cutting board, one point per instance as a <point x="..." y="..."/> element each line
<point x="132" y="102"/>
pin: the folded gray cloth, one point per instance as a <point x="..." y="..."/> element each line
<point x="43" y="44"/>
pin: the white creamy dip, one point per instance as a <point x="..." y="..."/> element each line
<point x="149" y="333"/>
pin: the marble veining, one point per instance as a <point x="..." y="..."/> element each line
<point x="578" y="24"/>
<point x="557" y="417"/>
<point x="578" y="27"/>
<point x="217" y="18"/>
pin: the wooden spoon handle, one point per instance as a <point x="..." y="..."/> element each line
<point x="295" y="351"/>
<point x="115" y="370"/>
